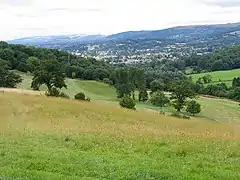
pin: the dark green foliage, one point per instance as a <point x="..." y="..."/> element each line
<point x="207" y="79"/>
<point x="55" y="92"/>
<point x="236" y="82"/>
<point x="107" y="81"/>
<point x="156" y="85"/>
<point x="219" y="90"/>
<point x="143" y="95"/>
<point x="127" y="102"/>
<point x="80" y="96"/>
<point x="234" y="94"/>
<point x="181" y="90"/>
<point x="159" y="99"/>
<point x="49" y="73"/>
<point x="219" y="60"/>
<point x="193" y="107"/>
<point x="9" y="79"/>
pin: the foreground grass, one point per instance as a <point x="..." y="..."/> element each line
<point x="48" y="138"/>
<point x="224" y="76"/>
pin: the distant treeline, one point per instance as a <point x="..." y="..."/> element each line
<point x="226" y="59"/>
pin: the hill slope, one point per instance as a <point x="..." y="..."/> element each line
<point x="227" y="111"/>
<point x="47" y="138"/>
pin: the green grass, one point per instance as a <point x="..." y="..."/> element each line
<point x="224" y="76"/>
<point x="220" y="110"/>
<point x="51" y="138"/>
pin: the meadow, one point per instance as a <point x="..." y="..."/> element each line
<point x="219" y="76"/>
<point x="51" y="138"/>
<point x="213" y="109"/>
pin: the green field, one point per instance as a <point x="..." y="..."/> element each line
<point x="220" y="110"/>
<point x="51" y="138"/>
<point x="224" y="76"/>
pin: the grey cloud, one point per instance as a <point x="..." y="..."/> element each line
<point x="222" y="3"/>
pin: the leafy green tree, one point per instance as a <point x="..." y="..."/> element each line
<point x="5" y="64"/>
<point x="127" y="102"/>
<point x="193" y="107"/>
<point x="143" y="95"/>
<point x="49" y="73"/>
<point x="159" y="99"/>
<point x="32" y="63"/>
<point x="124" y="85"/>
<point x="181" y="90"/>
<point x="9" y="79"/>
<point x="156" y="85"/>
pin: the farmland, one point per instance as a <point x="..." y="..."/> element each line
<point x="219" y="76"/>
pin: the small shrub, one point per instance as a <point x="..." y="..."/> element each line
<point x="127" y="102"/>
<point x="88" y="99"/>
<point x="107" y="81"/>
<point x="193" y="107"/>
<point x="54" y="92"/>
<point x="178" y="115"/>
<point x="64" y="95"/>
<point x="80" y="96"/>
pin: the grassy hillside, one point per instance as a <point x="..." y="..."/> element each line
<point x="224" y="76"/>
<point x="48" y="138"/>
<point x="226" y="111"/>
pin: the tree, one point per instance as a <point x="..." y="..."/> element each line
<point x="143" y="95"/>
<point x="159" y="99"/>
<point x="181" y="90"/>
<point x="193" y="107"/>
<point x="49" y="73"/>
<point x="9" y="79"/>
<point x="124" y="85"/>
<point x="127" y="102"/>
<point x="32" y="63"/>
<point x="156" y="85"/>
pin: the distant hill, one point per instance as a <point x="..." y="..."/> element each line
<point x="57" y="40"/>
<point x="187" y="34"/>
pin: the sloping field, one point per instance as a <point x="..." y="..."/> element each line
<point x="224" y="76"/>
<point x="50" y="138"/>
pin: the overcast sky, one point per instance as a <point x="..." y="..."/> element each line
<point x="21" y="18"/>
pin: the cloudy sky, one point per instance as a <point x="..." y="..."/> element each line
<point x="21" y="18"/>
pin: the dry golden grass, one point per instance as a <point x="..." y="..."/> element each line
<point x="21" y="112"/>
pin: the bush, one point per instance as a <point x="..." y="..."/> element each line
<point x="64" y="95"/>
<point x="193" y="107"/>
<point x="127" y="102"/>
<point x="54" y="92"/>
<point x="178" y="115"/>
<point x="107" y="81"/>
<point x="80" y="96"/>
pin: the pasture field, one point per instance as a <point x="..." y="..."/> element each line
<point x="224" y="76"/>
<point x="51" y="138"/>
<point x="213" y="109"/>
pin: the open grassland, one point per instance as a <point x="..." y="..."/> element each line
<point x="220" y="110"/>
<point x="50" y="138"/>
<point x="224" y="76"/>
